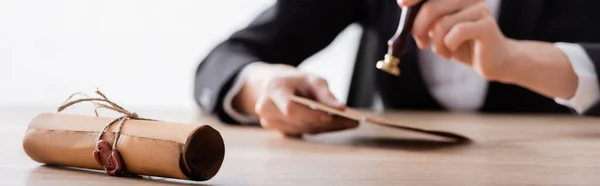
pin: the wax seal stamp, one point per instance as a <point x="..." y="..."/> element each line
<point x="398" y="44"/>
<point x="109" y="158"/>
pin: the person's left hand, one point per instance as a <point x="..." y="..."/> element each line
<point x="464" y="30"/>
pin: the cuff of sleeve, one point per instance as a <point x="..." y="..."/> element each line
<point x="235" y="89"/>
<point x="588" y="91"/>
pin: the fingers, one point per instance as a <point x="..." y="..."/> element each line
<point x="294" y="112"/>
<point x="272" y="117"/>
<point x="299" y="119"/>
<point x="443" y="26"/>
<point x="466" y="31"/>
<point x="338" y="124"/>
<point x="301" y="115"/>
<point x="310" y="121"/>
<point x="320" y="89"/>
<point x="282" y="126"/>
<point x="278" y="112"/>
<point x="432" y="11"/>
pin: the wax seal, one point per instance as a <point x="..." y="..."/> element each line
<point x="109" y="158"/>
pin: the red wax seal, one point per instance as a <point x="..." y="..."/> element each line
<point x="109" y="158"/>
<point x="115" y="164"/>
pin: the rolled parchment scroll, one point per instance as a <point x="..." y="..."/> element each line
<point x="152" y="148"/>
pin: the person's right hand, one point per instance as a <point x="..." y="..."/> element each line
<point x="266" y="94"/>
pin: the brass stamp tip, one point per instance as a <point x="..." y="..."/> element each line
<point x="389" y="65"/>
<point x="394" y="70"/>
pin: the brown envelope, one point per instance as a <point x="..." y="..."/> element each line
<point x="361" y="116"/>
<point x="152" y="148"/>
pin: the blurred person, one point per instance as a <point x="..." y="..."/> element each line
<point x="507" y="56"/>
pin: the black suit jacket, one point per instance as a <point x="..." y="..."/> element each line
<point x="292" y="30"/>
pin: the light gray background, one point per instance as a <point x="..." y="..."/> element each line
<point x="141" y="53"/>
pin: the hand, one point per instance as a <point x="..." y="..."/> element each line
<point x="464" y="30"/>
<point x="267" y="89"/>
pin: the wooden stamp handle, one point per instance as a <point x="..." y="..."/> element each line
<point x="397" y="44"/>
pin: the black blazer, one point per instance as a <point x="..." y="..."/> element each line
<point x="292" y="30"/>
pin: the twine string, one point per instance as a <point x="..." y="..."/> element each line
<point x="104" y="103"/>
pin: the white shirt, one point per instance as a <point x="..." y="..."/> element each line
<point x="457" y="87"/>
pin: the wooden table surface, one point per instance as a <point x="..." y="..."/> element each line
<point x="505" y="150"/>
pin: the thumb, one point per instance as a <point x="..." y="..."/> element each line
<point x="321" y="92"/>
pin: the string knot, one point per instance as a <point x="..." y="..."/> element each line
<point x="133" y="115"/>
